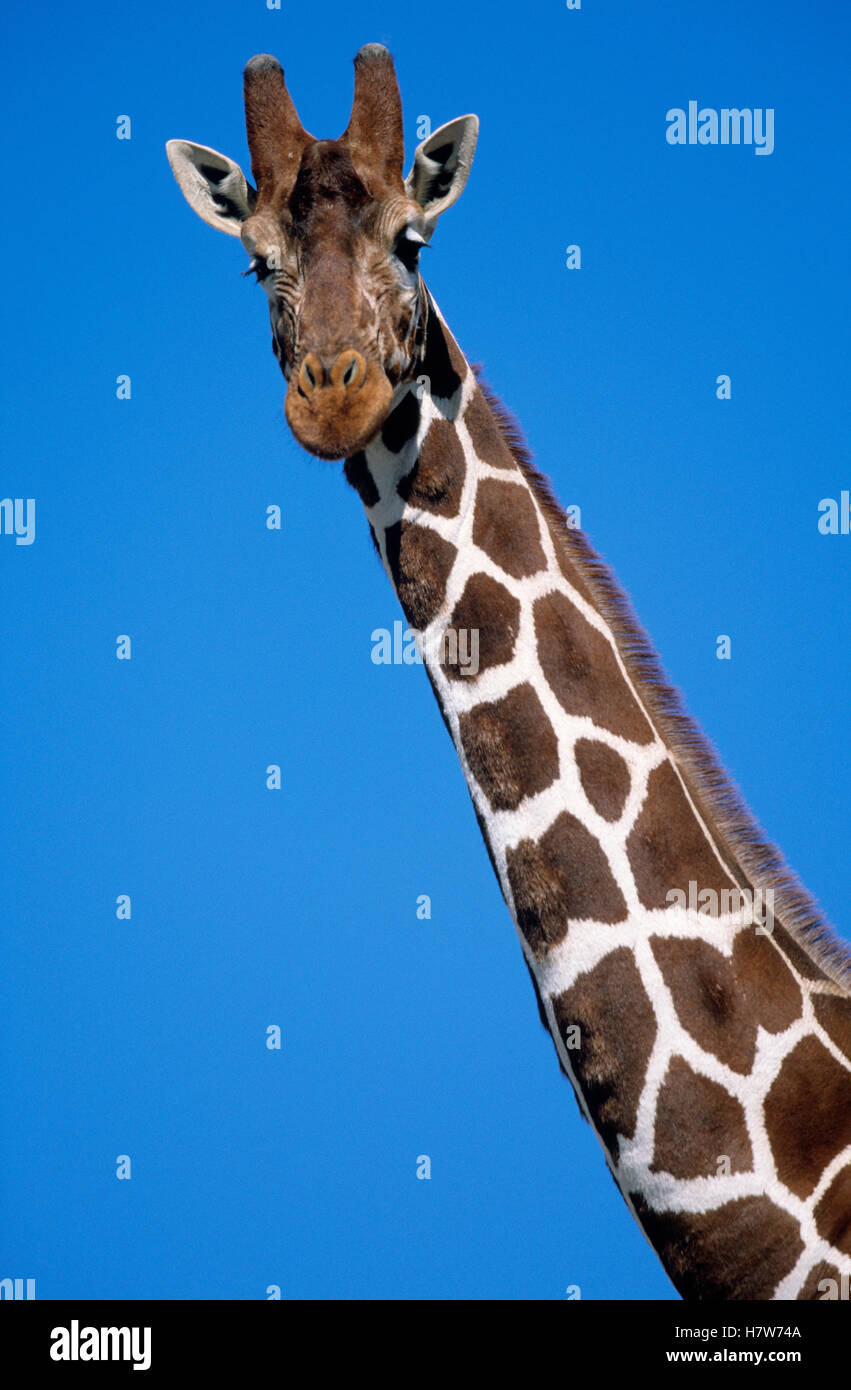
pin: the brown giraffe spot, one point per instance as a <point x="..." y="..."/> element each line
<point x="560" y="878"/>
<point x="457" y="360"/>
<point x="617" y="1029"/>
<point x="604" y="776"/>
<point x="707" y="1001"/>
<point x="817" y="1275"/>
<point x="401" y="424"/>
<point x="436" y="480"/>
<point x="442" y="362"/>
<point x="766" y="980"/>
<point x="580" y="667"/>
<point x="808" y="1115"/>
<point x="485" y="433"/>
<point x="505" y="527"/>
<point x="489" y="611"/>
<point x="420" y="562"/>
<point x="833" y="1212"/>
<point x="667" y="848"/>
<point x="834" y="1015"/>
<point x="698" y="1121"/>
<point x="796" y="955"/>
<point x="722" y="1002"/>
<point x="741" y="1250"/>
<point x="511" y="747"/>
<point x="359" y="477"/>
<point x="571" y="570"/>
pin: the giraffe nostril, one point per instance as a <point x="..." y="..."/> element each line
<point x="310" y="374"/>
<point x="349" y="370"/>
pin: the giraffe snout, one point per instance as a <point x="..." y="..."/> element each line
<point x="347" y="371"/>
<point x="336" y="402"/>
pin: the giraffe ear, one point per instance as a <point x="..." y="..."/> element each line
<point x="441" y="165"/>
<point x="212" y="185"/>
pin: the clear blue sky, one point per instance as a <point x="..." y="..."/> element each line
<point x="298" y="907"/>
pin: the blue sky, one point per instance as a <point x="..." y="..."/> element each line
<point x="297" y="908"/>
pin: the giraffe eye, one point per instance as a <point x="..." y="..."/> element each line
<point x="259" y="267"/>
<point x="407" y="248"/>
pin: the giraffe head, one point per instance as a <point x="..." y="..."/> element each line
<point x="334" y="233"/>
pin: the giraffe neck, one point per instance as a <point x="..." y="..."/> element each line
<point x="708" y="1041"/>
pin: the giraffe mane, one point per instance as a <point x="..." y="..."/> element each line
<point x="711" y="785"/>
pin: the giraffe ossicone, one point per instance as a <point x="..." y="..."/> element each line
<point x="708" y="1045"/>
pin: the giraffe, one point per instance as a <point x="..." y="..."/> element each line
<point x="699" y="1003"/>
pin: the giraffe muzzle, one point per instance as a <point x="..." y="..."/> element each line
<point x="335" y="405"/>
<point x="348" y="371"/>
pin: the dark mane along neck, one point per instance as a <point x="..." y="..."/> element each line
<point x="802" y="930"/>
<point x="800" y="922"/>
<point x="708" y="1043"/>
